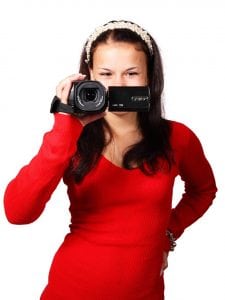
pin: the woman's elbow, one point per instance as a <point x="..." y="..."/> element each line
<point x="18" y="219"/>
<point x="21" y="215"/>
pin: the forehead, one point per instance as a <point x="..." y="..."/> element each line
<point x="122" y="51"/>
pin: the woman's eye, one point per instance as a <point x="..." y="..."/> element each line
<point x="106" y="74"/>
<point x="132" y="73"/>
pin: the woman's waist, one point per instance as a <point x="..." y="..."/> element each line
<point x="119" y="236"/>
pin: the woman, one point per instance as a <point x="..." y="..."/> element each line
<point x="120" y="169"/>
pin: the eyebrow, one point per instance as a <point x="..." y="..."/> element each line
<point x="129" y="69"/>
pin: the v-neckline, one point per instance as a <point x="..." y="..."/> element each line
<point x="109" y="162"/>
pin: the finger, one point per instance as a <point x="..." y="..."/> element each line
<point x="165" y="260"/>
<point x="164" y="267"/>
<point x="65" y="91"/>
<point x="64" y="86"/>
<point x="71" y="78"/>
<point x="164" y="263"/>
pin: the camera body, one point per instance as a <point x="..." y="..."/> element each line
<point x="90" y="96"/>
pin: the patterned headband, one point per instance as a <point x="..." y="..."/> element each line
<point x="117" y="25"/>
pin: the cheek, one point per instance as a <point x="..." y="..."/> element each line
<point x="104" y="82"/>
<point x="142" y="80"/>
<point x="145" y="79"/>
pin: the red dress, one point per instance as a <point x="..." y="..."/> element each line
<point x="118" y="217"/>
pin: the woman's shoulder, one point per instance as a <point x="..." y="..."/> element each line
<point x="177" y="126"/>
<point x="181" y="134"/>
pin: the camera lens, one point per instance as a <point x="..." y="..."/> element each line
<point x="89" y="94"/>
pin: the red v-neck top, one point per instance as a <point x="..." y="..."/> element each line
<point x="118" y="217"/>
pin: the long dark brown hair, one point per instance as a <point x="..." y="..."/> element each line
<point x="155" y="144"/>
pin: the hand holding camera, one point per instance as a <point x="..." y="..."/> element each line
<point x="63" y="90"/>
<point x="64" y="87"/>
<point x="90" y="98"/>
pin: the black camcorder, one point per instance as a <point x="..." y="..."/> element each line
<point x="91" y="96"/>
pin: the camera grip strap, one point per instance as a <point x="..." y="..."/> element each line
<point x="58" y="106"/>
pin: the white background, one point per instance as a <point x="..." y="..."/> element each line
<point x="40" y="44"/>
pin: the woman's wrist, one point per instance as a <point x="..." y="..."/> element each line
<point x="66" y="123"/>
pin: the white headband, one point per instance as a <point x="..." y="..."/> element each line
<point x="118" y="25"/>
